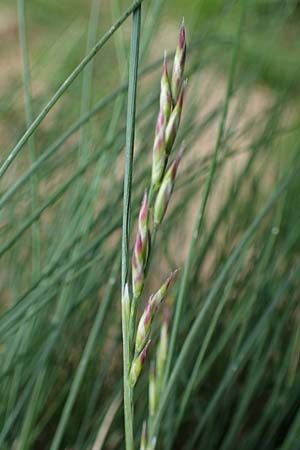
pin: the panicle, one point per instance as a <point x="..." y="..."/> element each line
<point x="140" y="250"/>
<point x="152" y="212"/>
<point x="178" y="65"/>
<point x="137" y="365"/>
<point x="165" y="190"/>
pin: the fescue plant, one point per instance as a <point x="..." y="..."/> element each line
<point x="136" y="340"/>
<point x="164" y="179"/>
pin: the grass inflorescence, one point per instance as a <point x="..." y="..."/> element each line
<point x="209" y="353"/>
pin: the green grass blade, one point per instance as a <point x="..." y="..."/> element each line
<point x="31" y="141"/>
<point x="62" y="89"/>
<point x="86" y="355"/>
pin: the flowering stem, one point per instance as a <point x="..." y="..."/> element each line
<point x="130" y="128"/>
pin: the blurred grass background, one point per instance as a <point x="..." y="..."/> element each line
<point x="60" y="347"/>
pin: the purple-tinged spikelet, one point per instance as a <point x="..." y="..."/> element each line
<point x="165" y="100"/>
<point x="159" y="151"/>
<point x="165" y="190"/>
<point x="178" y="65"/>
<point x="144" y="326"/>
<point x="137" y="365"/>
<point x="174" y="121"/>
<point x="160" y="295"/>
<point x="159" y="154"/>
<point x="140" y="250"/>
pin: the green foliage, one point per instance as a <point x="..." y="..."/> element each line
<point x="234" y="360"/>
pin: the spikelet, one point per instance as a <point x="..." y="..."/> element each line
<point x="139" y="257"/>
<point x="159" y="151"/>
<point x="165" y="100"/>
<point x="160" y="295"/>
<point x="174" y="122"/>
<point x="178" y="65"/>
<point x="137" y="365"/>
<point x="165" y="190"/>
<point x="144" y="326"/>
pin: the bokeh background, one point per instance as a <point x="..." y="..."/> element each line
<point x="60" y="218"/>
